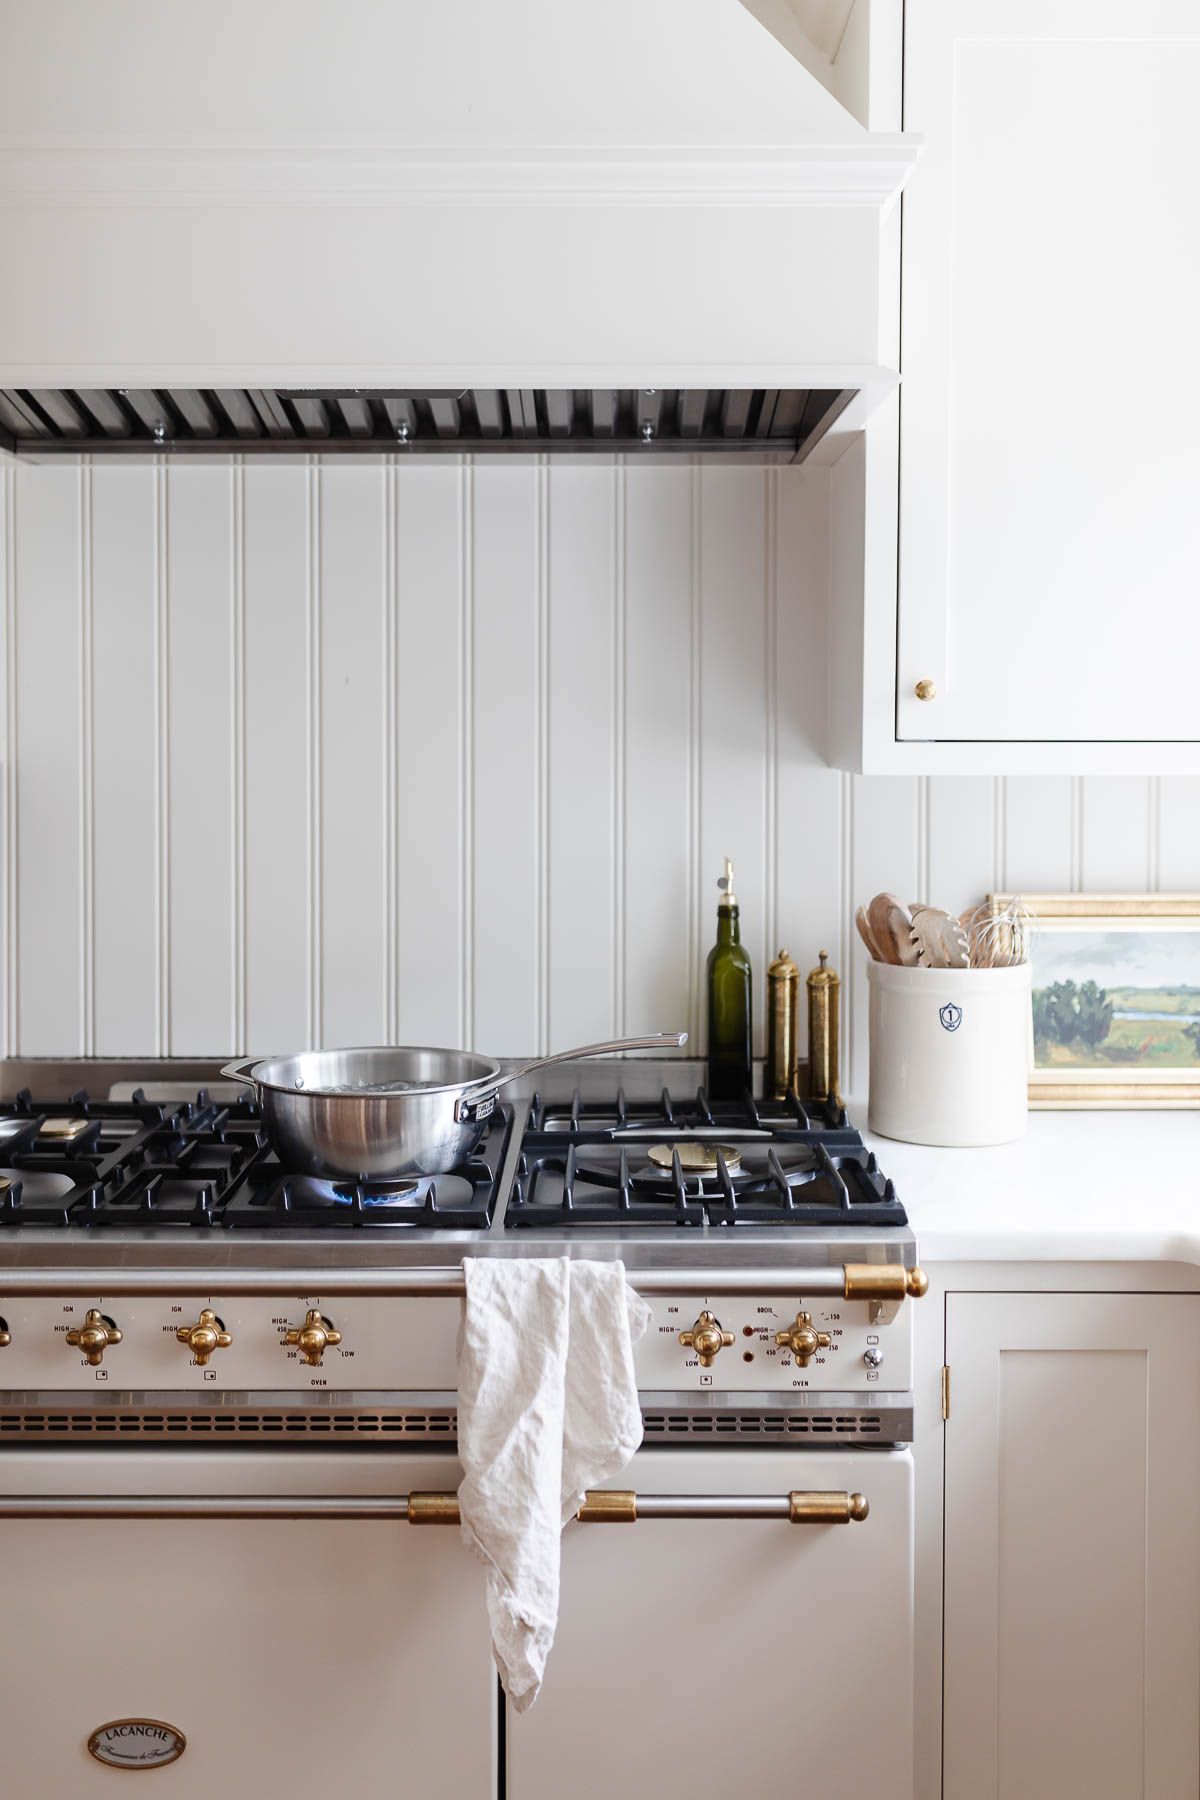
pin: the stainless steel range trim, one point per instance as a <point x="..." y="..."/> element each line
<point x="393" y="1283"/>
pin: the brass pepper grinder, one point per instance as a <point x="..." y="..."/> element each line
<point x="783" y="1026"/>
<point x="823" y="990"/>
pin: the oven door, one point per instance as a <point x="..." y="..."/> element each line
<point x="310" y="1655"/>
<point x="731" y="1656"/>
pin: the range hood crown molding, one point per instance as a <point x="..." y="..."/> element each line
<point x="490" y="194"/>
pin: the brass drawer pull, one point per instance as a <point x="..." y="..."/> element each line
<point x="614" y="1506"/>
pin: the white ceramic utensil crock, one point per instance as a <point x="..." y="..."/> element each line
<point x="950" y="1054"/>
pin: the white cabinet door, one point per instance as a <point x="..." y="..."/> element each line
<point x="731" y="1657"/>
<point x="1072" y="1547"/>
<point x="1050" y="461"/>
<point x="296" y="1657"/>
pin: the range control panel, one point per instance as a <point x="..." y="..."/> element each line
<point x="742" y="1344"/>
<point x="314" y="1341"/>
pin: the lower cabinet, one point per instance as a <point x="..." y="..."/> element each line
<point x="1072" y="1547"/>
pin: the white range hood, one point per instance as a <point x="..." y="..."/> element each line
<point x="444" y="197"/>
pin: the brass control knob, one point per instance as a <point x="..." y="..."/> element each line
<point x="94" y="1336"/>
<point x="205" y="1336"/>
<point x="706" y="1338"/>
<point x="802" y="1340"/>
<point x="313" y="1338"/>
<point x="5" y="1335"/>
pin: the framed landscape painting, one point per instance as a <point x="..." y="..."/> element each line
<point x="1116" y="999"/>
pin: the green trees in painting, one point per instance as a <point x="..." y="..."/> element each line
<point x="1072" y="1013"/>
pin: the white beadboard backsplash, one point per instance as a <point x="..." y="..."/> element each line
<point x="313" y="752"/>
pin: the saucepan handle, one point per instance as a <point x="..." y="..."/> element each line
<point x="236" y="1071"/>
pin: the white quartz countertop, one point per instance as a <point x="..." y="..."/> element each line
<point x="1079" y="1187"/>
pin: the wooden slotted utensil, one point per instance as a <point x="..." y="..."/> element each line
<point x="939" y="940"/>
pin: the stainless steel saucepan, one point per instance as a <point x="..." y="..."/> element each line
<point x="380" y="1112"/>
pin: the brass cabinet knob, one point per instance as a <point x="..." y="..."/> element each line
<point x="706" y="1338"/>
<point x="94" y="1336"/>
<point x="5" y="1335"/>
<point x="802" y="1340"/>
<point x="926" y="690"/>
<point x="205" y="1336"/>
<point x="313" y="1338"/>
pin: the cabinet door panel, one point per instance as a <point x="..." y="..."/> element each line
<point x="731" y="1657"/>
<point x="296" y="1656"/>
<point x="1051" y="364"/>
<point x="1072" y="1548"/>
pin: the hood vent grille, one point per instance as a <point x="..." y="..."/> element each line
<point x="764" y="424"/>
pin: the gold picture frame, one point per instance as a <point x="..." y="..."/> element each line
<point x="1120" y="1085"/>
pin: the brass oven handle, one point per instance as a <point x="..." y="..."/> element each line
<point x="600" y="1506"/>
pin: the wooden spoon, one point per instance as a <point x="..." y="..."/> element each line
<point x="867" y="936"/>
<point x="891" y="926"/>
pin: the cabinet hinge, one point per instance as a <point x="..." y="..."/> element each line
<point x="945" y="1390"/>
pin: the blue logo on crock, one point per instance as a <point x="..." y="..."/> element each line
<point x="950" y="1015"/>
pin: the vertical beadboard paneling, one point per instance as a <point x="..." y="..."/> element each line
<point x="8" y="695"/>
<point x="886" y="852"/>
<point x="586" y="592"/>
<point x="352" y="662"/>
<point x="1179" y="834"/>
<point x="123" y="757"/>
<point x="661" y="878"/>
<point x="430" y="919"/>
<point x="809" y="904"/>
<point x="200" y="716"/>
<point x="733" y="728"/>
<point x="506" y="544"/>
<point x="960" y="856"/>
<point x="275" y="572"/>
<point x="49" y="703"/>
<point x="1116" y="834"/>
<point x="454" y="752"/>
<point x="1039" y="845"/>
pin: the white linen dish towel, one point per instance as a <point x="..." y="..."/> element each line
<point x="547" y="1407"/>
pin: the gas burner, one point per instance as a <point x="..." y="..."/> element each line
<point x="272" y="1199"/>
<point x="696" y="1158"/>
<point x="63" y="1130"/>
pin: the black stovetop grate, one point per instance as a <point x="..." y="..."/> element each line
<point x="775" y="1163"/>
<point x="87" y="1164"/>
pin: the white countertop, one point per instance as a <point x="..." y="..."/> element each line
<point x="1079" y="1187"/>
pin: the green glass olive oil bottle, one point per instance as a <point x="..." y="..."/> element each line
<point x="730" y="1073"/>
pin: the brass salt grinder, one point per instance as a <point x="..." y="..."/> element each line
<point x="823" y="990"/>
<point x="783" y="1026"/>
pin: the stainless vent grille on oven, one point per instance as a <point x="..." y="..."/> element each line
<point x="765" y="424"/>
<point x="427" y="1425"/>
<point x="666" y="1425"/>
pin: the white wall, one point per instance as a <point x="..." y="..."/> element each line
<point x="451" y="753"/>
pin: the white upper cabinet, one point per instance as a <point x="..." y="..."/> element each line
<point x="1049" y="527"/>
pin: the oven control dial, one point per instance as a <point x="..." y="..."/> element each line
<point x="94" y="1336"/>
<point x="706" y="1338"/>
<point x="802" y="1340"/>
<point x="205" y="1336"/>
<point x="313" y="1338"/>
